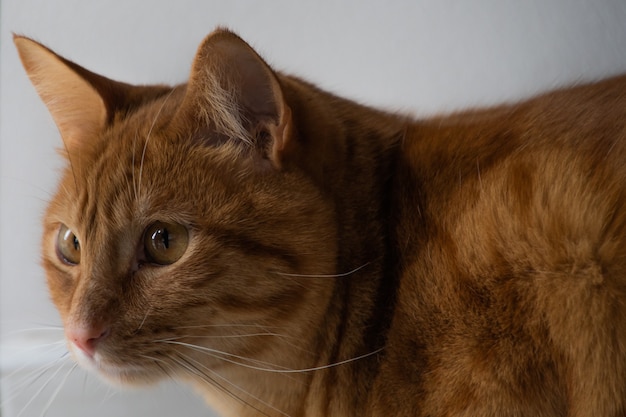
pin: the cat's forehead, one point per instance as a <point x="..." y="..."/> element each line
<point x="149" y="167"/>
<point x="145" y="169"/>
<point x="158" y="125"/>
<point x="149" y="118"/>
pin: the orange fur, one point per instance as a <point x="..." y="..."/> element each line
<point x="342" y="261"/>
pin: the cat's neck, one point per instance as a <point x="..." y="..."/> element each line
<point x="351" y="152"/>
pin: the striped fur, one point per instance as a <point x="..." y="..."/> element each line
<point x="343" y="261"/>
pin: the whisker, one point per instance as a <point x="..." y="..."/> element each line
<point x="162" y="364"/>
<point x="345" y="274"/>
<point x="35" y="329"/>
<point x="41" y="369"/>
<point x="21" y="368"/>
<point x="84" y="385"/>
<point x="26" y="381"/>
<point x="219" y="355"/>
<point x="196" y="365"/>
<point x="133" y="166"/>
<point x="110" y="394"/>
<point x="286" y="339"/>
<point x="225" y="336"/>
<point x="69" y="158"/>
<point x="56" y="392"/>
<point x="39" y="391"/>
<point x="27" y="184"/>
<point x="148" y="136"/>
<point x="203" y="326"/>
<point x="194" y="371"/>
<point x="144" y="318"/>
<point x="237" y="336"/>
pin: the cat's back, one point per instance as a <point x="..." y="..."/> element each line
<point x="512" y="236"/>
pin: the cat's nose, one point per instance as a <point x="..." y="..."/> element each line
<point x="87" y="338"/>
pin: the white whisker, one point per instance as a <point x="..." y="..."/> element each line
<point x="144" y="318"/>
<point x="194" y="371"/>
<point x="133" y="166"/>
<point x="110" y="394"/>
<point x="202" y="326"/>
<point x="56" y="392"/>
<point x="166" y="367"/>
<point x="232" y="384"/>
<point x="284" y="338"/>
<point x="218" y="354"/>
<point x="39" y="391"/>
<point x="36" y="329"/>
<point x="272" y="367"/>
<point x="31" y="377"/>
<point x="345" y="274"/>
<point x="225" y="336"/>
<point x="33" y="348"/>
<point x="149" y="135"/>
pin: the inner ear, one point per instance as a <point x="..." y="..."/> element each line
<point x="78" y="110"/>
<point x="259" y="93"/>
<point x="232" y="90"/>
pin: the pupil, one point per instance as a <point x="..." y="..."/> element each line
<point x="161" y="239"/>
<point x="76" y="244"/>
<point x="166" y="238"/>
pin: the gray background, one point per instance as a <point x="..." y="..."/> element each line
<point x="418" y="56"/>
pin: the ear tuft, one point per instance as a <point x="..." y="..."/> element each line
<point x="76" y="107"/>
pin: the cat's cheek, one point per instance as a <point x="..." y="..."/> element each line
<point x="61" y="285"/>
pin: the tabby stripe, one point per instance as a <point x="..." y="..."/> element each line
<point x="252" y="246"/>
<point x="284" y="301"/>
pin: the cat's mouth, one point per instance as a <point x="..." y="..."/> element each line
<point x="114" y="371"/>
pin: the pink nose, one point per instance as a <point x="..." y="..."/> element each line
<point x="87" y="338"/>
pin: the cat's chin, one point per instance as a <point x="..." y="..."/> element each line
<point x="126" y="375"/>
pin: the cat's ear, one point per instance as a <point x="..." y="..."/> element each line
<point x="77" y="108"/>
<point x="234" y="92"/>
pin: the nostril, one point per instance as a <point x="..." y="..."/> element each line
<point x="87" y="338"/>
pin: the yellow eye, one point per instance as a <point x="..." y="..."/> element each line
<point x="165" y="243"/>
<point x="68" y="246"/>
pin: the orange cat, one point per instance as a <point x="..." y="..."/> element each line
<point x="292" y="253"/>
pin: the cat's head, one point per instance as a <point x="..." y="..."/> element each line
<point x="180" y="233"/>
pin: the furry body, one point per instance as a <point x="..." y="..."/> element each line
<point x="342" y="261"/>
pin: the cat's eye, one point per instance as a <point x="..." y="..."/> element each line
<point x="68" y="246"/>
<point x="165" y="243"/>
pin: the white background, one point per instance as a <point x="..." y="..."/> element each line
<point x="413" y="55"/>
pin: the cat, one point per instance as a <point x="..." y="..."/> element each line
<point x="288" y="252"/>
